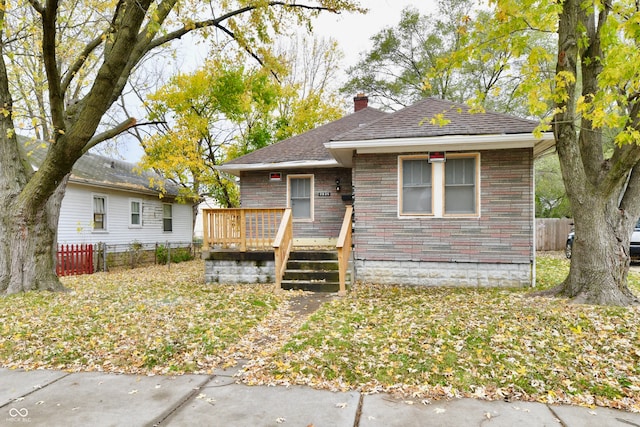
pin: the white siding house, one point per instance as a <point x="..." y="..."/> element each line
<point x="127" y="217"/>
<point x="207" y="203"/>
<point x="111" y="201"/>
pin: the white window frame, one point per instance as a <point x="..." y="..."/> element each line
<point x="105" y="216"/>
<point x="131" y="213"/>
<point x="165" y="218"/>
<point x="438" y="187"/>
<point x="311" y="195"/>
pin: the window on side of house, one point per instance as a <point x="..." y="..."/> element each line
<point x="135" y="213"/>
<point x="99" y="213"/>
<point x="416" y="186"/>
<point x="460" y="189"/>
<point x="167" y="217"/>
<point x="300" y="189"/>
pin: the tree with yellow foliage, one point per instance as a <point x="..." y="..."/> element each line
<point x="593" y="96"/>
<point x="116" y="36"/>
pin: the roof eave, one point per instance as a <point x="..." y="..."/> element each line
<point x="235" y="169"/>
<point x="343" y="151"/>
<point x="121" y="187"/>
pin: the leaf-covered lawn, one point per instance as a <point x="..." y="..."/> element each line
<point x="418" y="342"/>
<point x="146" y="320"/>
<point x="487" y="343"/>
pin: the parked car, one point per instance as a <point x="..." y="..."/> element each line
<point x="634" y="246"/>
<point x="569" y="246"/>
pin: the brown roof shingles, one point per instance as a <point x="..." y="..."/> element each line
<point x="415" y="122"/>
<point x="309" y="146"/>
<point x="367" y="124"/>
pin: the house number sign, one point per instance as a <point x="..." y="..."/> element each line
<point x="324" y="194"/>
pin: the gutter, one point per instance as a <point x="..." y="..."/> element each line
<point x="343" y="150"/>
<point x="235" y="169"/>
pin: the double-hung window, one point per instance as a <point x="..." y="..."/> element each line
<point x="135" y="213"/>
<point x="417" y="188"/>
<point x="167" y="217"/>
<point x="460" y="186"/>
<point x="439" y="189"/>
<point x="99" y="213"/>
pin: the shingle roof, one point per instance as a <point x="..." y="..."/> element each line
<point x="98" y="170"/>
<point x="309" y="146"/>
<point x="414" y="122"/>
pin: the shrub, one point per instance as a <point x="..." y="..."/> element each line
<point x="177" y="254"/>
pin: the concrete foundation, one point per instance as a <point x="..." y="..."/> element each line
<point x="444" y="274"/>
<point x="231" y="267"/>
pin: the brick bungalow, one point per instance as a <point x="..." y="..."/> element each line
<point x="433" y="204"/>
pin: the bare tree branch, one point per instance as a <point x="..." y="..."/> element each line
<point x="111" y="133"/>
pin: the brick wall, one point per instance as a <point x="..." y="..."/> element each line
<point x="502" y="234"/>
<point x="257" y="191"/>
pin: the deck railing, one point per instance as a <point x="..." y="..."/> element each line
<point x="240" y="229"/>
<point x="344" y="249"/>
<point x="282" y="245"/>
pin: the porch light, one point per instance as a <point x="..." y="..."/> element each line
<point x="338" y="185"/>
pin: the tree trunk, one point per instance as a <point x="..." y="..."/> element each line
<point x="604" y="193"/>
<point x="28" y="247"/>
<point x="600" y="260"/>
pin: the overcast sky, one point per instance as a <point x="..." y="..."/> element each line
<point x="353" y="30"/>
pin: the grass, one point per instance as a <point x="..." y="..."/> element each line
<point x="147" y="320"/>
<point x="420" y="342"/>
<point x="487" y="343"/>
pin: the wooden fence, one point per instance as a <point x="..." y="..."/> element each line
<point x="551" y="233"/>
<point x="74" y="259"/>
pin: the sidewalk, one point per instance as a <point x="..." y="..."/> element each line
<point x="54" y="398"/>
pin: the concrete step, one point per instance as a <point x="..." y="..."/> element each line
<point x="318" y="265"/>
<point x="298" y="255"/>
<point x="312" y="275"/>
<point x="319" y="286"/>
<point x="312" y="270"/>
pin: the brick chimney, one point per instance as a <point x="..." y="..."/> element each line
<point x="360" y="101"/>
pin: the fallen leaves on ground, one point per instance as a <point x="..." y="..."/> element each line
<point x="448" y="342"/>
<point x="150" y="320"/>
<point x="419" y="343"/>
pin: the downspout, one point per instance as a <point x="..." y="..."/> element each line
<point x="533" y="216"/>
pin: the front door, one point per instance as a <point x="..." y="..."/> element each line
<point x="300" y="198"/>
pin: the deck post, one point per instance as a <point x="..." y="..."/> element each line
<point x="205" y="230"/>
<point x="243" y="231"/>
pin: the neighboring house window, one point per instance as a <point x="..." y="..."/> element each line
<point x="439" y="189"/>
<point x="301" y="196"/>
<point x="167" y="217"/>
<point x="417" y="189"/>
<point x="99" y="213"/>
<point x="460" y="186"/>
<point x="135" y="210"/>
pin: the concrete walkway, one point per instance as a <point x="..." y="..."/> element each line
<point x="54" y="398"/>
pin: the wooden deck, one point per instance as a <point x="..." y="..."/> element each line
<point x="270" y="229"/>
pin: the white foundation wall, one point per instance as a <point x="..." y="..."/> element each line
<point x="419" y="273"/>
